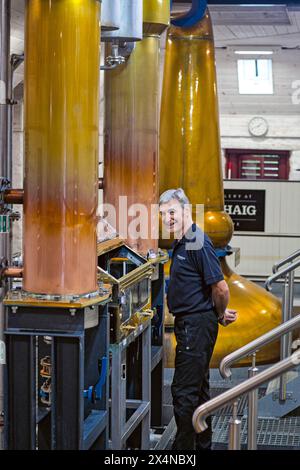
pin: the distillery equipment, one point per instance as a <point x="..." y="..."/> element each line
<point x="131" y="145"/>
<point x="87" y="335"/>
<point x="136" y="341"/>
<point x="190" y="157"/>
<point x="110" y="15"/>
<point x="131" y="187"/>
<point x="57" y="324"/>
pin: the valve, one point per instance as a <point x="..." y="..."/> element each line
<point x="94" y="392"/>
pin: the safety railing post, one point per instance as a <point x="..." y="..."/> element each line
<point x="284" y="338"/>
<point x="235" y="429"/>
<point x="291" y="276"/>
<point x="252" y="409"/>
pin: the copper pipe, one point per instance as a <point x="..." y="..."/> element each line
<point x="14" y="196"/>
<point x="61" y="124"/>
<point x="12" y="272"/>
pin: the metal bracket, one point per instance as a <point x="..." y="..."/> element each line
<point x="120" y="52"/>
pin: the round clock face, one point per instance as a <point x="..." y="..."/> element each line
<point x="258" y="127"/>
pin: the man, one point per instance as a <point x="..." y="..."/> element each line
<point x="198" y="297"/>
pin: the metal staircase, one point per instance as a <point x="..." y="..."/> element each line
<point x="249" y="413"/>
<point x="274" y="403"/>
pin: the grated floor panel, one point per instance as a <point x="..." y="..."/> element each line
<point x="228" y="409"/>
<point x="271" y="432"/>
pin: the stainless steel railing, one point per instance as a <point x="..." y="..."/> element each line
<point x="280" y="274"/>
<point x="248" y="349"/>
<point x="255" y="379"/>
<point x="285" y="261"/>
<point x="256" y="344"/>
<point x="288" y="274"/>
<point x="233" y="394"/>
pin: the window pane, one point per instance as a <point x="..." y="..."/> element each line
<point x="254" y="166"/>
<point x="255" y="76"/>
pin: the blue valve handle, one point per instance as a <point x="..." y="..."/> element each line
<point x="94" y="392"/>
<point x="222" y="252"/>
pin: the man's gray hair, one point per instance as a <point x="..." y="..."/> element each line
<point x="177" y="194"/>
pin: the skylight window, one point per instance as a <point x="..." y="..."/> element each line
<point x="255" y="76"/>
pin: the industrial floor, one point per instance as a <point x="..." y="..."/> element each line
<point x="273" y="432"/>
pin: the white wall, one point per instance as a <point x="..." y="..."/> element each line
<point x="259" y="251"/>
<point x="286" y="72"/>
<point x="280" y="109"/>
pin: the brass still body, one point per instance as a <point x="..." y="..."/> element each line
<point x="131" y="133"/>
<point x="190" y="157"/>
<point x="61" y="88"/>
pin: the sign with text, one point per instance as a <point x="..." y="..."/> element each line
<point x="246" y="207"/>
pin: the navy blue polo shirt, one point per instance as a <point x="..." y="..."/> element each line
<point x="194" y="268"/>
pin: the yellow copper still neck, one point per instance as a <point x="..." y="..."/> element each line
<point x="190" y="151"/>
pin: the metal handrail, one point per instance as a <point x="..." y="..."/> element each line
<point x="201" y="413"/>
<point x="283" y="332"/>
<point x="280" y="274"/>
<point x="286" y="260"/>
<point x="254" y="345"/>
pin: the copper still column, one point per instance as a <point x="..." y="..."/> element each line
<point x="190" y="157"/>
<point x="132" y="126"/>
<point x="62" y="61"/>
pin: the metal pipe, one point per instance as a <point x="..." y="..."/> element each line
<point x="291" y="276"/>
<point x="12" y="272"/>
<point x="13" y="196"/>
<point x="285" y="261"/>
<point x="15" y="61"/>
<point x="252" y="409"/>
<point x="234" y="437"/>
<point x="253" y="346"/>
<point x="131" y="22"/>
<point x="280" y="274"/>
<point x="110" y="15"/>
<point x="284" y="339"/>
<point x="201" y="413"/>
<point x="194" y="15"/>
<point x="5" y="12"/>
<point x="4" y="83"/>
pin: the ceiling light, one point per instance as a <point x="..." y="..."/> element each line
<point x="254" y="52"/>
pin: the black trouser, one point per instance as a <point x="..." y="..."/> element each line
<point x="196" y="335"/>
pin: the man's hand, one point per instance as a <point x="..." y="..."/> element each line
<point x="229" y="317"/>
<point x="220" y="296"/>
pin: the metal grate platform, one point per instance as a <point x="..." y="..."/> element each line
<point x="272" y="432"/>
<point x="228" y="409"/>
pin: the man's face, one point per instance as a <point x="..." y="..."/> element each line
<point x="172" y="214"/>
